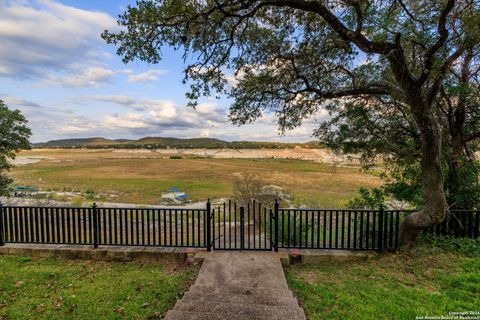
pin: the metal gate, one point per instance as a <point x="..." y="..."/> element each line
<point x="235" y="227"/>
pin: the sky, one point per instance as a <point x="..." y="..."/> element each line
<point x="56" y="69"/>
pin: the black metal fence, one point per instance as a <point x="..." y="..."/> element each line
<point x="339" y="229"/>
<point x="242" y="228"/>
<point x="459" y="223"/>
<point x="220" y="227"/>
<point x="104" y="226"/>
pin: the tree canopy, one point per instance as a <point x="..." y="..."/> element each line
<point x="295" y="57"/>
<point x="291" y="55"/>
<point x="14" y="135"/>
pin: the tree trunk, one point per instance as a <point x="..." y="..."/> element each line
<point x="435" y="202"/>
<point x="454" y="162"/>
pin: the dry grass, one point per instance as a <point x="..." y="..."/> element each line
<point x="140" y="177"/>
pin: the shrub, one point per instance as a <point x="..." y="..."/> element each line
<point x="460" y="245"/>
<point x="89" y="194"/>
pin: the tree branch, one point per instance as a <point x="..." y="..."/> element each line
<point x="345" y="33"/>
<point x="472" y="137"/>
<point x="343" y="93"/>
<point x="438" y="82"/>
<point x="443" y="32"/>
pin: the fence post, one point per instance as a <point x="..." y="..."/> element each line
<point x="208" y="226"/>
<point x="95" y="226"/>
<point x="477" y="225"/>
<point x="380" y="230"/>
<point x="242" y="228"/>
<point x="275" y="244"/>
<point x="2" y="241"/>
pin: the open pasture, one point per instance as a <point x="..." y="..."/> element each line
<point x="140" y="176"/>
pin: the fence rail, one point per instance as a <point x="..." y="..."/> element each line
<point x="221" y="227"/>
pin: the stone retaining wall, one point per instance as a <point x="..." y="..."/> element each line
<point x="175" y="255"/>
<point x="101" y="253"/>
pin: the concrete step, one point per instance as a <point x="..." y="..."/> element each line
<point x="239" y="286"/>
<point x="183" y="315"/>
<point x="201" y="289"/>
<point x="235" y="312"/>
<point x="252" y="269"/>
<point x="241" y="299"/>
<point x="226" y="309"/>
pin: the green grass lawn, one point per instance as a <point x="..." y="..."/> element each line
<point x="427" y="281"/>
<point x="60" y="289"/>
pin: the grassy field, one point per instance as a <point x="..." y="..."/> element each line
<point x="59" y="289"/>
<point x="426" y="281"/>
<point x="141" y="177"/>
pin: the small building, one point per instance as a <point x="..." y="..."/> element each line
<point x="275" y="191"/>
<point x="21" y="191"/>
<point x="174" y="195"/>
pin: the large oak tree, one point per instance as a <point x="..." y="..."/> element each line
<point x="294" y="57"/>
<point x="377" y="127"/>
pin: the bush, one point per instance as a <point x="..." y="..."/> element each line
<point x="175" y="157"/>
<point x="366" y="198"/>
<point x="247" y="187"/>
<point x="463" y="246"/>
<point x="89" y="194"/>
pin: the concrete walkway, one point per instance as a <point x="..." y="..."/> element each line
<point x="238" y="286"/>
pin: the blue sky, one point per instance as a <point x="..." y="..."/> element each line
<point x="56" y="69"/>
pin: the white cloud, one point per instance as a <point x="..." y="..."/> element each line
<point x="205" y="133"/>
<point x="118" y="99"/>
<point x="79" y="76"/>
<point x="148" y="76"/>
<point x="153" y="114"/>
<point x="39" y="36"/>
<point x="258" y="135"/>
<point x="58" y="44"/>
<point x="90" y="77"/>
<point x="127" y="121"/>
<point x="135" y="120"/>
<point x="18" y="102"/>
<point x="300" y="132"/>
<point x="74" y="129"/>
<point x="52" y="44"/>
<point x="206" y="108"/>
<point x="163" y="110"/>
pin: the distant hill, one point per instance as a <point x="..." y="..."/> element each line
<point x="160" y="142"/>
<point x="70" y="143"/>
